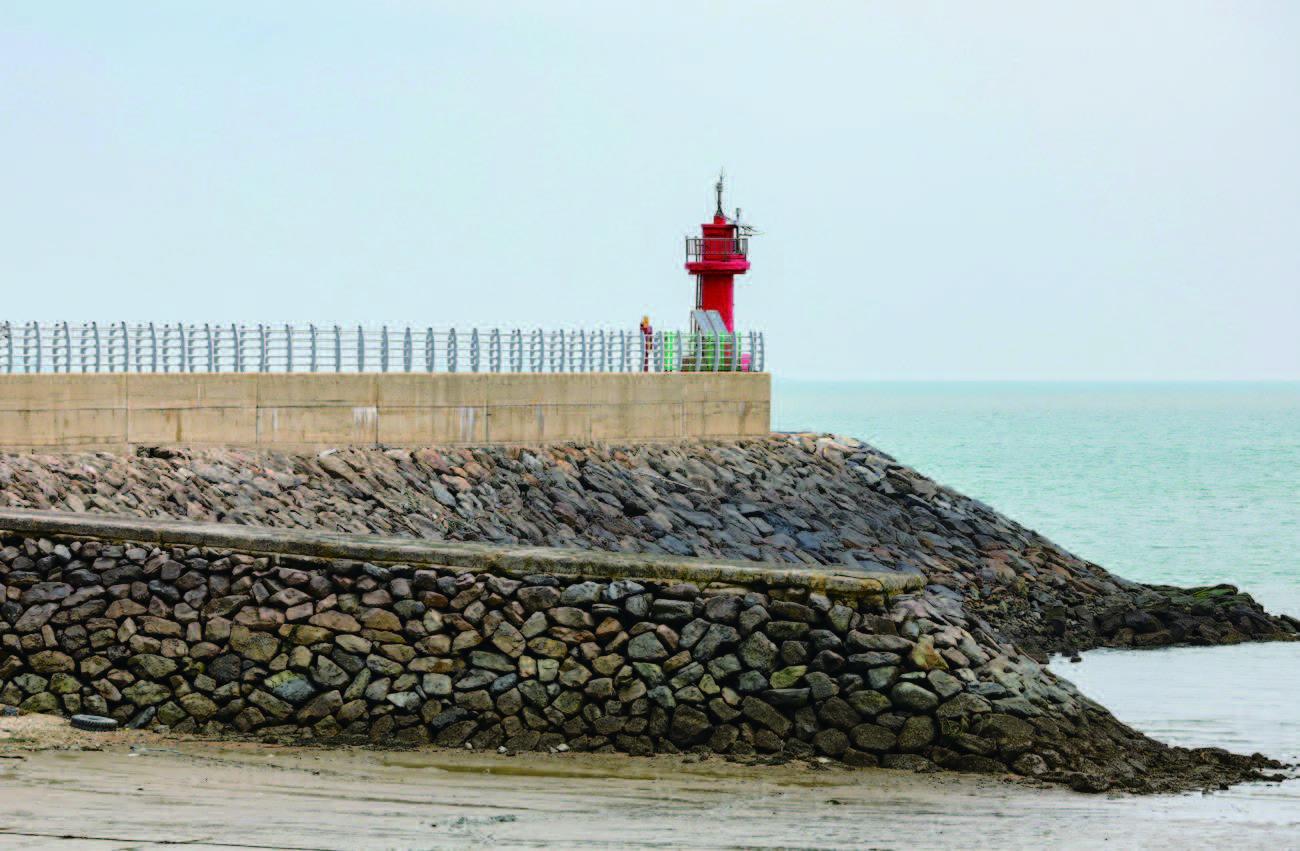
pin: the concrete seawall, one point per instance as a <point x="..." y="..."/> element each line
<point x="319" y="410"/>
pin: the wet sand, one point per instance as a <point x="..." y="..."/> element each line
<point x="63" y="789"/>
<point x="139" y="790"/>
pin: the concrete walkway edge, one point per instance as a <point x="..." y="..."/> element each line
<point x="839" y="581"/>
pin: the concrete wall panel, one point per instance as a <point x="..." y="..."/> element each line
<point x="75" y="428"/>
<point x="43" y="392"/>
<point x="317" y="410"/>
<point x="194" y="426"/>
<point x="326" y="425"/>
<point x="644" y="421"/>
<point x="189" y="390"/>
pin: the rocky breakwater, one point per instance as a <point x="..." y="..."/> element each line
<point x="788" y="499"/>
<point x="199" y="629"/>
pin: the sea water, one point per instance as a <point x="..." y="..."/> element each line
<point x="1174" y="483"/>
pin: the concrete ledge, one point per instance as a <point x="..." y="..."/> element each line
<point x="839" y="582"/>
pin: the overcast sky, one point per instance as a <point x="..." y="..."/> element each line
<point x="1032" y="190"/>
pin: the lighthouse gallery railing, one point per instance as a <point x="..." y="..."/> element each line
<point x="63" y="347"/>
<point x="705" y="248"/>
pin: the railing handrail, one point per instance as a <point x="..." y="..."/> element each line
<point x="697" y="247"/>
<point x="62" y="347"/>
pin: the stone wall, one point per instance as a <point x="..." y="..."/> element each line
<point x="225" y="629"/>
<point x="319" y="410"/>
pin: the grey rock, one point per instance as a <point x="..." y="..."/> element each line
<point x="692" y="633"/>
<point x="651" y="673"/>
<point x="723" y="666"/>
<point x="321" y="706"/>
<point x="534" y="693"/>
<point x="407" y="701"/>
<point x="716" y="638"/>
<point x="869" y="703"/>
<point x="646" y="647"/>
<point x="945" y="684"/>
<point x="327" y="673"/>
<point x="787" y="610"/>
<point x="35" y="617"/>
<point x="45" y="592"/>
<point x="724" y="608"/>
<point x="436" y="685"/>
<point x="831" y="742"/>
<point x="761" y="713"/>
<point x="838" y="713"/>
<point x="881" y="678"/>
<point x="750" y="682"/>
<point x="873" y="738"/>
<point x="912" y="698"/>
<point x="621" y="589"/>
<point x="151" y="667"/>
<point x="753" y="618"/>
<point x="874" y="659"/>
<point x="583" y="593"/>
<point x="534" y="626"/>
<point x="290" y="687"/>
<point x="475" y="679"/>
<point x="508" y="639"/>
<point x="822" y="685"/>
<point x="963" y="705"/>
<point x="758" y="652"/>
<point x="537" y="598"/>
<point x="917" y="733"/>
<point x="672" y="611"/>
<point x="638" y="606"/>
<point x="688" y="725"/>
<point x="663" y="696"/>
<point x="861" y="642"/>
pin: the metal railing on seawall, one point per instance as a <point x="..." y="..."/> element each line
<point x="61" y="347"/>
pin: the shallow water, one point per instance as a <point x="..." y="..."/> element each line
<point x="1170" y="483"/>
<point x="1175" y="483"/>
<point x="1242" y="698"/>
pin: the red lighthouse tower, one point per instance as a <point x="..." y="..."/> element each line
<point x="715" y="258"/>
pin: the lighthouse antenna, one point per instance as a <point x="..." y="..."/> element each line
<point x="718" y="187"/>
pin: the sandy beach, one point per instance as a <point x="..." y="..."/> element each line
<point x="65" y="789"/>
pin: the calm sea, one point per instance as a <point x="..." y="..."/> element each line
<point x="1165" y="482"/>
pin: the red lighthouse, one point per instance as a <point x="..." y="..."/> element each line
<point x="715" y="258"/>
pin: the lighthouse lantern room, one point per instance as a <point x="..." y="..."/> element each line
<point x="715" y="258"/>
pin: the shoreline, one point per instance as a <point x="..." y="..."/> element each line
<point x="138" y="788"/>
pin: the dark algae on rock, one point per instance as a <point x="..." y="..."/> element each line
<point x="934" y="660"/>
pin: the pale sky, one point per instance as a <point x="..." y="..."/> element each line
<point x="1091" y="190"/>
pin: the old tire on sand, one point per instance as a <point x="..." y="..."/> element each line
<point x="94" y="723"/>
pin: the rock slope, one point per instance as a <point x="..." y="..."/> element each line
<point x="786" y="498"/>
